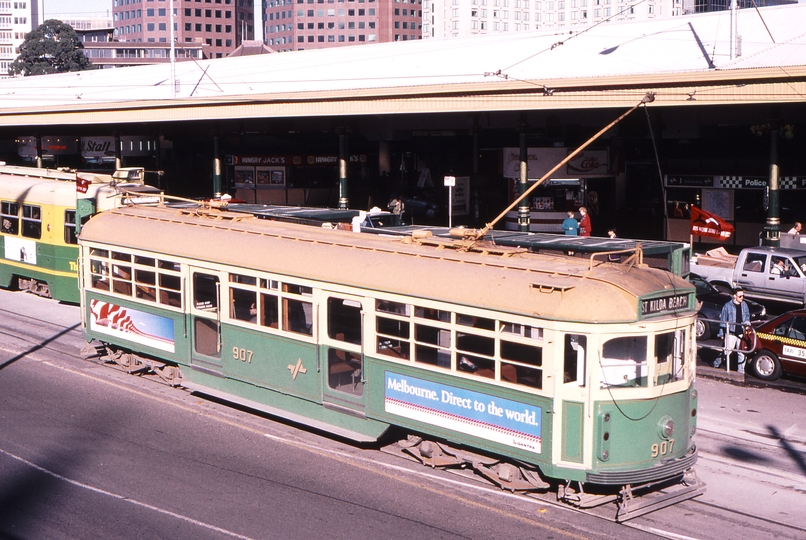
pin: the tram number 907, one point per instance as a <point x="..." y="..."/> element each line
<point x="244" y="355"/>
<point x="666" y="447"/>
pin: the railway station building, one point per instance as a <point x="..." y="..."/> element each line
<point x="713" y="115"/>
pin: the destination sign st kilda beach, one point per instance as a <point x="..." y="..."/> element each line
<point x="666" y="304"/>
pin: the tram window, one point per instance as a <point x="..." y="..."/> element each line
<point x="344" y="320"/>
<point x="297" y="289"/>
<point x="269" y="284"/>
<point x="243" y="304"/>
<point x="521" y="364"/>
<point x="475" y="344"/>
<point x="118" y="256"/>
<point x="432" y="314"/>
<point x="121" y="279"/>
<point x="521" y="330"/>
<point x="297" y="316"/>
<point x="205" y="291"/>
<point x="477" y="365"/>
<point x="387" y="306"/>
<point x="345" y="371"/>
<point x="669" y="349"/>
<point x="100" y="274"/>
<point x="31" y="221"/>
<point x="144" y="261"/>
<point x="624" y="362"/>
<point x="432" y="355"/>
<point x="270" y="310"/>
<point x="438" y="354"/>
<point x="475" y="322"/>
<point x="145" y="276"/>
<point x="245" y="280"/>
<point x="574" y="359"/>
<point x="391" y="336"/>
<point x="145" y="285"/>
<point x="170" y="290"/>
<point x="70" y="227"/>
<point x="9" y="217"/>
<point x="169" y="265"/>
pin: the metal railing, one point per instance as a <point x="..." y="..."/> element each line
<point x="747" y="344"/>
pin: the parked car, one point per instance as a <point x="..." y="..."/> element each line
<point x="712" y="300"/>
<point x="781" y="344"/>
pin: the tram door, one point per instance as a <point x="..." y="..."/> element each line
<point x="343" y="351"/>
<point x="205" y="318"/>
<point x="572" y="400"/>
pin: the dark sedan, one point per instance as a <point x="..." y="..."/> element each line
<point x="712" y="300"/>
<point x="781" y="346"/>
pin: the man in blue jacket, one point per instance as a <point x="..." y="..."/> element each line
<point x="735" y="316"/>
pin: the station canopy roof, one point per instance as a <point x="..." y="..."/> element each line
<point x="683" y="60"/>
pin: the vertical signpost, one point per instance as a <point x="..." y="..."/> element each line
<point x="450" y="181"/>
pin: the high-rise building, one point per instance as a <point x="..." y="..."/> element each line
<point x="294" y="25"/>
<point x="15" y="22"/>
<point x="220" y="24"/>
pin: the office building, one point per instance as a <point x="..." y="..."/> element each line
<point x="295" y="25"/>
<point x="221" y="25"/>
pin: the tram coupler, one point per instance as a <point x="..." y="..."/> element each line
<point x="632" y="505"/>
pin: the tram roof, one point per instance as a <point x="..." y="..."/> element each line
<point x="551" y="242"/>
<point x="514" y="281"/>
<point x="685" y="60"/>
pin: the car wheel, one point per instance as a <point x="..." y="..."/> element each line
<point x="766" y="366"/>
<point x="702" y="329"/>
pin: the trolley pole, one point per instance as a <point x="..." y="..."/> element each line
<point x="343" y="197"/>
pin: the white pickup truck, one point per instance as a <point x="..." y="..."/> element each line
<point x="765" y="273"/>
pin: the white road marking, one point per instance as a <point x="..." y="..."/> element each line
<point x="124" y="498"/>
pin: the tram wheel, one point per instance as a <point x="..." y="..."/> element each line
<point x="766" y="366"/>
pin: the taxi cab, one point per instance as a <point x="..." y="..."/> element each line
<point x="781" y="346"/>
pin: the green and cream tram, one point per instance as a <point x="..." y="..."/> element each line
<point x="567" y="373"/>
<point x="38" y="224"/>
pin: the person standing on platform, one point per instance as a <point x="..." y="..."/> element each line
<point x="735" y="316"/>
<point x="570" y="225"/>
<point x="585" y="222"/>
<point x="796" y="229"/>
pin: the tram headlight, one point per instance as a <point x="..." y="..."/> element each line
<point x="666" y="427"/>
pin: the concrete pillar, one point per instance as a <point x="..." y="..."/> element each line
<point x="772" y="230"/>
<point x="217" y="179"/>
<point x="344" y="200"/>
<point x="524" y="208"/>
<point x="39" y="151"/>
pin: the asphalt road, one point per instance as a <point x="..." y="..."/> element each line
<point x="90" y="452"/>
